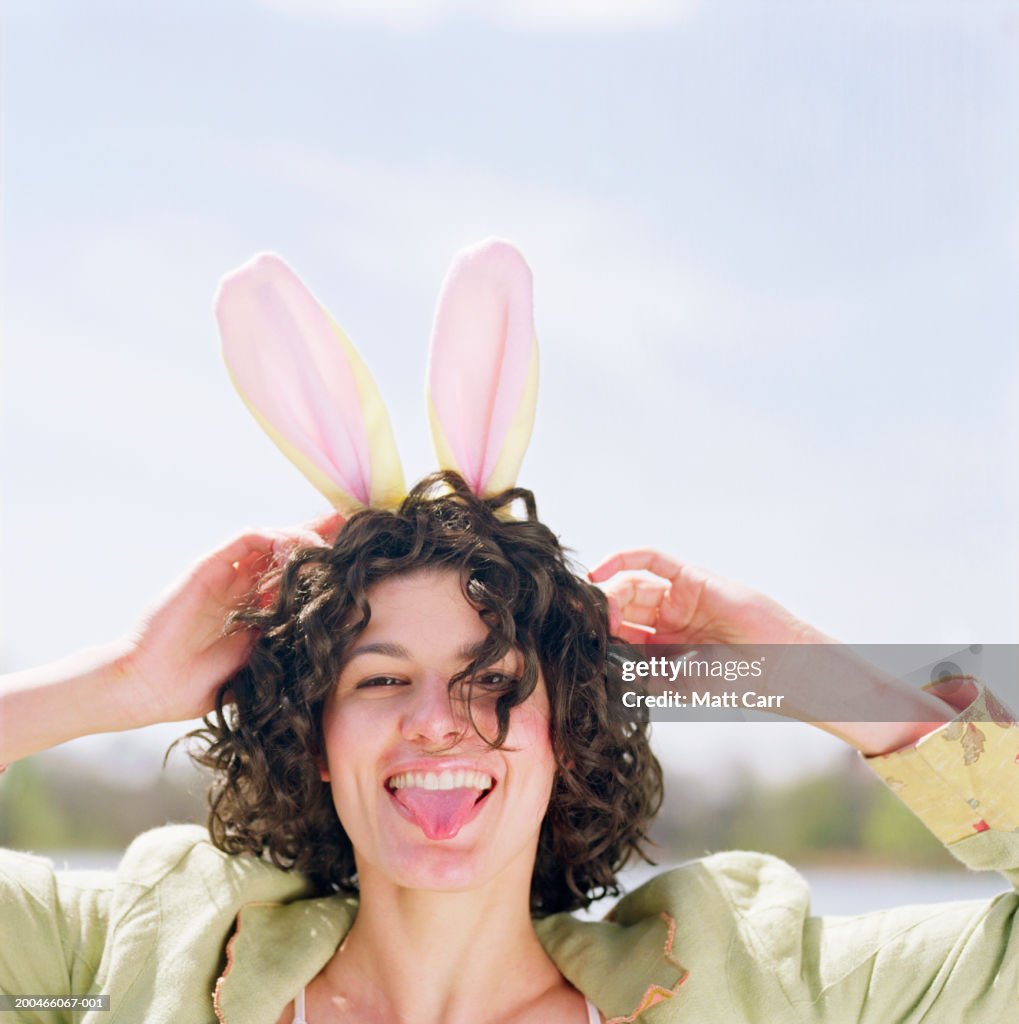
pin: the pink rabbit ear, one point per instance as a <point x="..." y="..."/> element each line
<point x="483" y="366"/>
<point x="306" y="385"/>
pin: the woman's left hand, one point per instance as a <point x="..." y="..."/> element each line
<point x="682" y="604"/>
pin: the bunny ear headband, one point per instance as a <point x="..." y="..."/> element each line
<point x="305" y="383"/>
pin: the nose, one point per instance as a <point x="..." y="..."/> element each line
<point x="432" y="717"/>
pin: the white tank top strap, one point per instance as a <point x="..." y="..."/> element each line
<point x="593" y="1016"/>
<point x="299" y="1008"/>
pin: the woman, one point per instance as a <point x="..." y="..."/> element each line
<point x="420" y="764"/>
<point x="445" y="637"/>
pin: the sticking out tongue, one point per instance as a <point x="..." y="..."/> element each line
<point x="439" y="813"/>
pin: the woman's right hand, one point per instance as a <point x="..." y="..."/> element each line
<point x="175" y="659"/>
<point x="167" y="669"/>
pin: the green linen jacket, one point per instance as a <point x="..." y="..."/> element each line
<point x="184" y="933"/>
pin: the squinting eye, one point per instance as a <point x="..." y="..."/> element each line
<point x="494" y="680"/>
<point x="380" y="681"/>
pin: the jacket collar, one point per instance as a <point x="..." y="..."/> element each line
<point x="276" y="948"/>
<point x="624" y="969"/>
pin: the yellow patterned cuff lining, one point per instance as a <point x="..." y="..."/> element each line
<point x="963" y="777"/>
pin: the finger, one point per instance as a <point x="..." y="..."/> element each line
<point x="639" y="615"/>
<point x="216" y="572"/>
<point x="316" y="531"/>
<point x="315" y="534"/>
<point x="247" y="573"/>
<point x="253" y="562"/>
<point x="639" y="590"/>
<point x="325" y="527"/>
<point x="615" y="613"/>
<point x="240" y="547"/>
<point x="647" y="593"/>
<point x="636" y="559"/>
<point x="639" y="600"/>
<point x="622" y="591"/>
<point x="229" y="654"/>
<point x="635" y="634"/>
<point x="286" y="543"/>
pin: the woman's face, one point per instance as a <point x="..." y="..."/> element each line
<point x="425" y="801"/>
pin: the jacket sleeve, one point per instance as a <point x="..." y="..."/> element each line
<point x="151" y="936"/>
<point x="961" y="780"/>
<point x="950" y="962"/>
<point x="53" y="929"/>
<point x="135" y="935"/>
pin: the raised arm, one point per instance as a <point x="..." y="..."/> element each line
<point x="682" y="604"/>
<point x="955" y="764"/>
<point x="166" y="670"/>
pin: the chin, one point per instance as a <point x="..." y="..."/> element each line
<point x="436" y="865"/>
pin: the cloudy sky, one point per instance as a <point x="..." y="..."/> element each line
<point x="775" y="251"/>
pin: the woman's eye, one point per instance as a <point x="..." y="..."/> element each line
<point x="380" y="681"/>
<point x="497" y="680"/>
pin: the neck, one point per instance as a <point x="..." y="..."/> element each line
<point x="425" y="956"/>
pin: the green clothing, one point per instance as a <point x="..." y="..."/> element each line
<point x="153" y="937"/>
<point x="184" y="933"/>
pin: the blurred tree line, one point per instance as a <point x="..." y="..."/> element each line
<point x="49" y="803"/>
<point x="840" y="816"/>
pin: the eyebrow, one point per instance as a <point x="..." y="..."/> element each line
<point x="467" y="652"/>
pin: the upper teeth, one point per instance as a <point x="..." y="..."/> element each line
<point x="462" y="778"/>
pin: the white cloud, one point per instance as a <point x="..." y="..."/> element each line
<point x="527" y="15"/>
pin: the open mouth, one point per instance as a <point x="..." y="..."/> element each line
<point x="440" y="803"/>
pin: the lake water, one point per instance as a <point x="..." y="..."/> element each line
<point x="833" y="890"/>
<point x="856" y="891"/>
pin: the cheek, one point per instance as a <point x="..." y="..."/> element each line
<point x="348" y="768"/>
<point x="345" y="741"/>
<point x="529" y="734"/>
<point x="529" y="726"/>
<point x="326" y="759"/>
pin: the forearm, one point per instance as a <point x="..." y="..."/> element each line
<point x="907" y="713"/>
<point x="840" y="692"/>
<point x="871" y="738"/>
<point x="75" y="696"/>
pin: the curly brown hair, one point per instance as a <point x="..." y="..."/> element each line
<point x="265" y="737"/>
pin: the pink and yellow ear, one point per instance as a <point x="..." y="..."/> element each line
<point x="305" y="383"/>
<point x="483" y="366"/>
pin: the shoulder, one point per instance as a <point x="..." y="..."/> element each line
<point x="60" y="924"/>
<point x="758" y="908"/>
<point x="160" y="852"/>
<point x="176" y="866"/>
<point x="731" y="936"/>
<point x="738" y="884"/>
<point x="153" y="931"/>
<point x="689" y="929"/>
<point x="744" y="919"/>
<point x="181" y="861"/>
